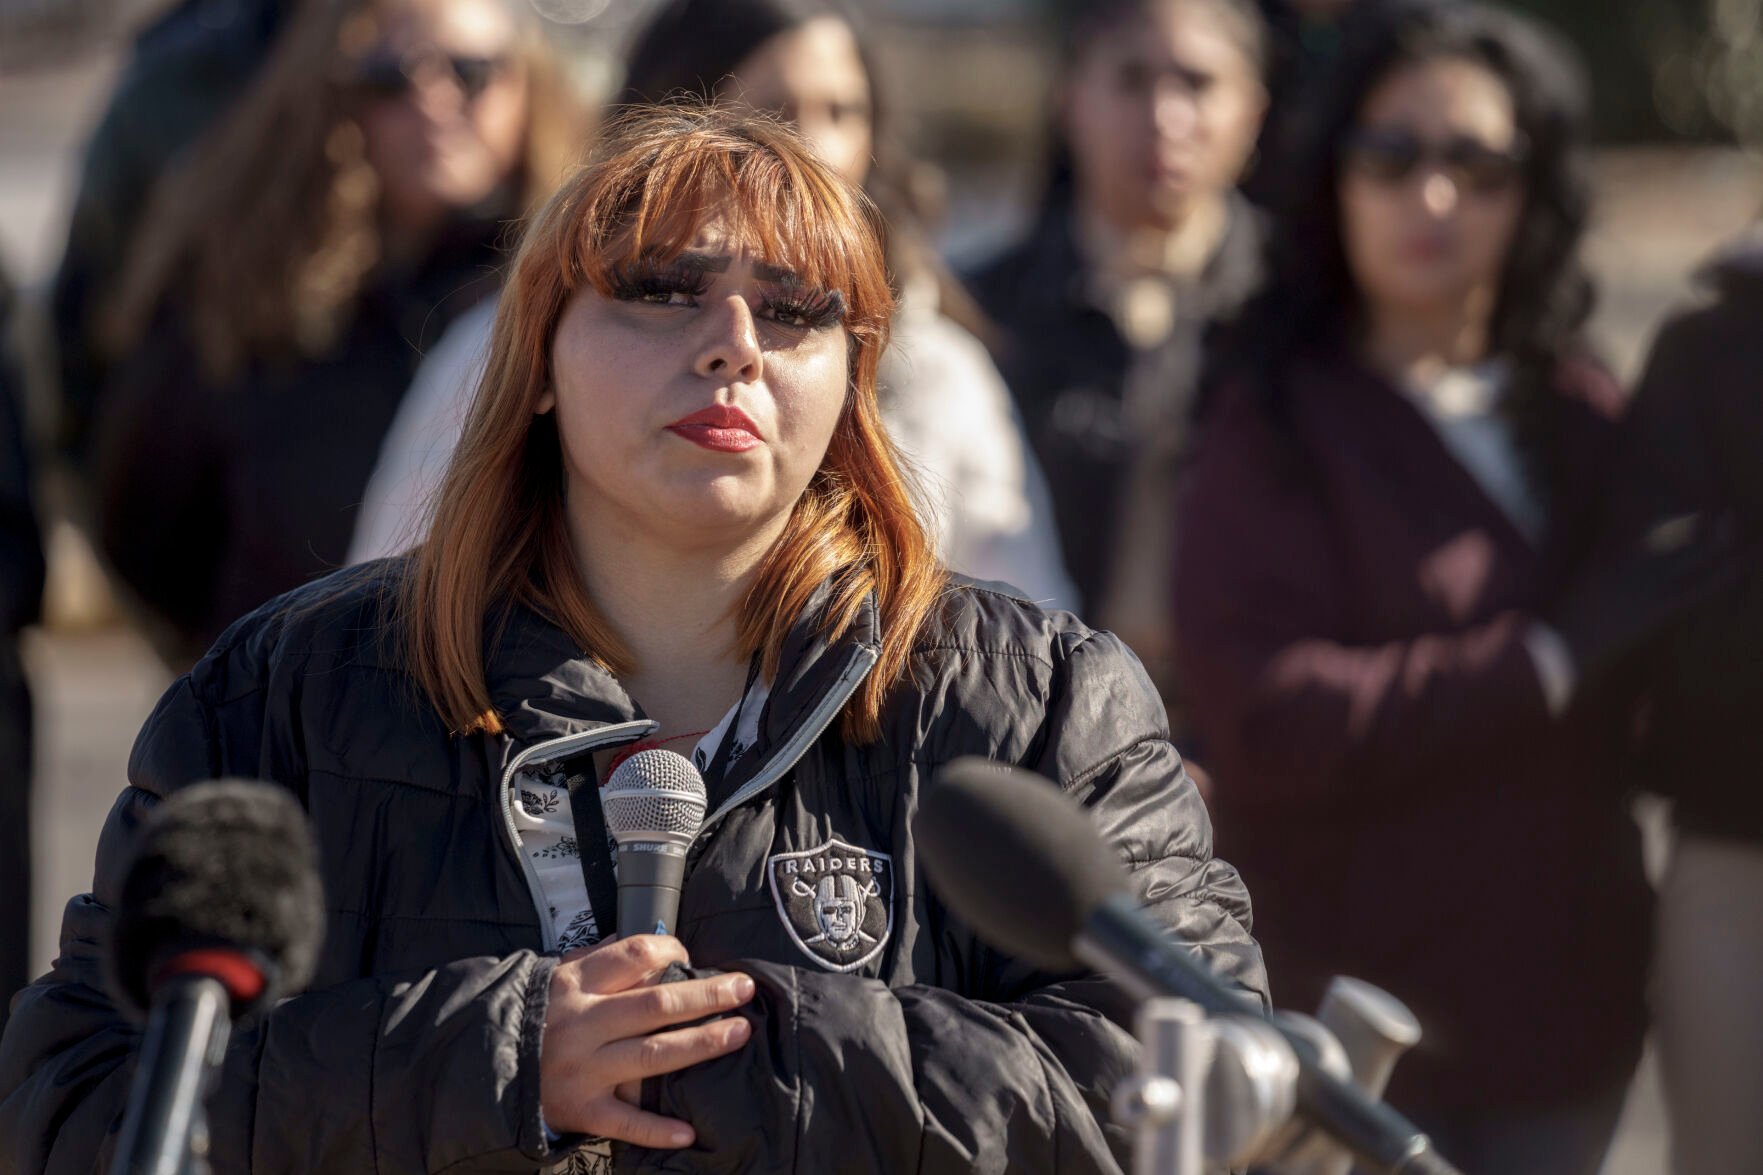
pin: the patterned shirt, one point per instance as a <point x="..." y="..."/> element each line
<point x="546" y="824"/>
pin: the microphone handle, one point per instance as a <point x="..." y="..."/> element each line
<point x="1123" y="941"/>
<point x="186" y="1039"/>
<point x="650" y="873"/>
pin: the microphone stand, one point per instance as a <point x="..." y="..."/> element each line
<point x="1217" y="1093"/>
<point x="1209" y="1089"/>
<point x="165" y="1128"/>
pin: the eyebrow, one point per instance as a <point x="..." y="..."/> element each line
<point x="767" y="272"/>
<point x="720" y="262"/>
<point x="704" y="262"/>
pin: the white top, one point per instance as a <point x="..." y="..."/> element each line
<point x="1462" y="405"/>
<point x="949" y="411"/>
<point x="414" y="454"/>
<point x="545" y="823"/>
<point x="943" y="401"/>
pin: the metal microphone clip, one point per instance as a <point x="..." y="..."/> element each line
<point x="1217" y="1093"/>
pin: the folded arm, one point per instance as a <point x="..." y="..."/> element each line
<point x="1284" y="693"/>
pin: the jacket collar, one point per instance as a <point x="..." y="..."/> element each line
<point x="1057" y="270"/>
<point x="545" y="686"/>
<point x="815" y="678"/>
<point x="1397" y="436"/>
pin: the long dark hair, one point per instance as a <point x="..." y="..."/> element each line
<point x="1311" y="303"/>
<point x="291" y="156"/>
<point x="689" y="51"/>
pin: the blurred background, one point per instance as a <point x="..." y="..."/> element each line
<point x="1678" y="126"/>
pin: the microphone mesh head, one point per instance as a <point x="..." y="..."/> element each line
<point x="228" y="864"/>
<point x="654" y="795"/>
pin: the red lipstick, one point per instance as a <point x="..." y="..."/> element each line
<point x="721" y="427"/>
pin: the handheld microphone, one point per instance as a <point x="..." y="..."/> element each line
<point x="654" y="806"/>
<point x="1069" y="904"/>
<point x="221" y="914"/>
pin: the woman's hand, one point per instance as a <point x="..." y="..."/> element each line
<point x="605" y="1031"/>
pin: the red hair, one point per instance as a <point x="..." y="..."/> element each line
<point x="498" y="531"/>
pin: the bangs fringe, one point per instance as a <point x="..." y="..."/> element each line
<point x="787" y="214"/>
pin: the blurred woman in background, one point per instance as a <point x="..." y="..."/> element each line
<point x="1382" y="603"/>
<point x="1103" y="307"/>
<point x="290" y="273"/>
<point x="942" y="399"/>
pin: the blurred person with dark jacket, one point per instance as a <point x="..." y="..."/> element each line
<point x="287" y="280"/>
<point x="1394" y="639"/>
<point x="1103" y="307"/>
<point x="21" y="593"/>
<point x="1693" y="435"/>
<point x="186" y="70"/>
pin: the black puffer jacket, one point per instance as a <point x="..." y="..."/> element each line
<point x="416" y="1048"/>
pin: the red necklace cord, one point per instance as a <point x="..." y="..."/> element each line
<point x="648" y="744"/>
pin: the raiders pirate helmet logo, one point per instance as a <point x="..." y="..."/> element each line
<point x="837" y="902"/>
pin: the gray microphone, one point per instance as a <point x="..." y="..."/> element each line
<point x="654" y="806"/>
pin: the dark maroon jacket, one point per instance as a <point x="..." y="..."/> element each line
<point x="1350" y="609"/>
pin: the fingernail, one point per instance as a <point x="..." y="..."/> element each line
<point x="680" y="1138"/>
<point x="742" y="987"/>
<point x="737" y="1032"/>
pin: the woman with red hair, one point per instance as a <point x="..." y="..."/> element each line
<point x="673" y="518"/>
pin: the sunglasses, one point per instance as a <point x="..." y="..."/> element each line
<point x="383" y="75"/>
<point x="1390" y="156"/>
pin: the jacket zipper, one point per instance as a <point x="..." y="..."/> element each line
<point x="862" y="661"/>
<point x="586" y="740"/>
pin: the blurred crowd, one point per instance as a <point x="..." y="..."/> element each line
<point x="1286" y="382"/>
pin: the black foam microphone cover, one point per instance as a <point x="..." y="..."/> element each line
<point x="1013" y="856"/>
<point x="227" y="866"/>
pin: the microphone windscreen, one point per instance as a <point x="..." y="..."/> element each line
<point x="228" y="865"/>
<point x="1014" y="858"/>
<point x="654" y="795"/>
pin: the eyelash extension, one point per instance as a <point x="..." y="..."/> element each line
<point x="639" y="280"/>
<point x="816" y="309"/>
<point x="634" y="281"/>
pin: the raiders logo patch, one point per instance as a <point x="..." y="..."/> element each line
<point x="837" y="902"/>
